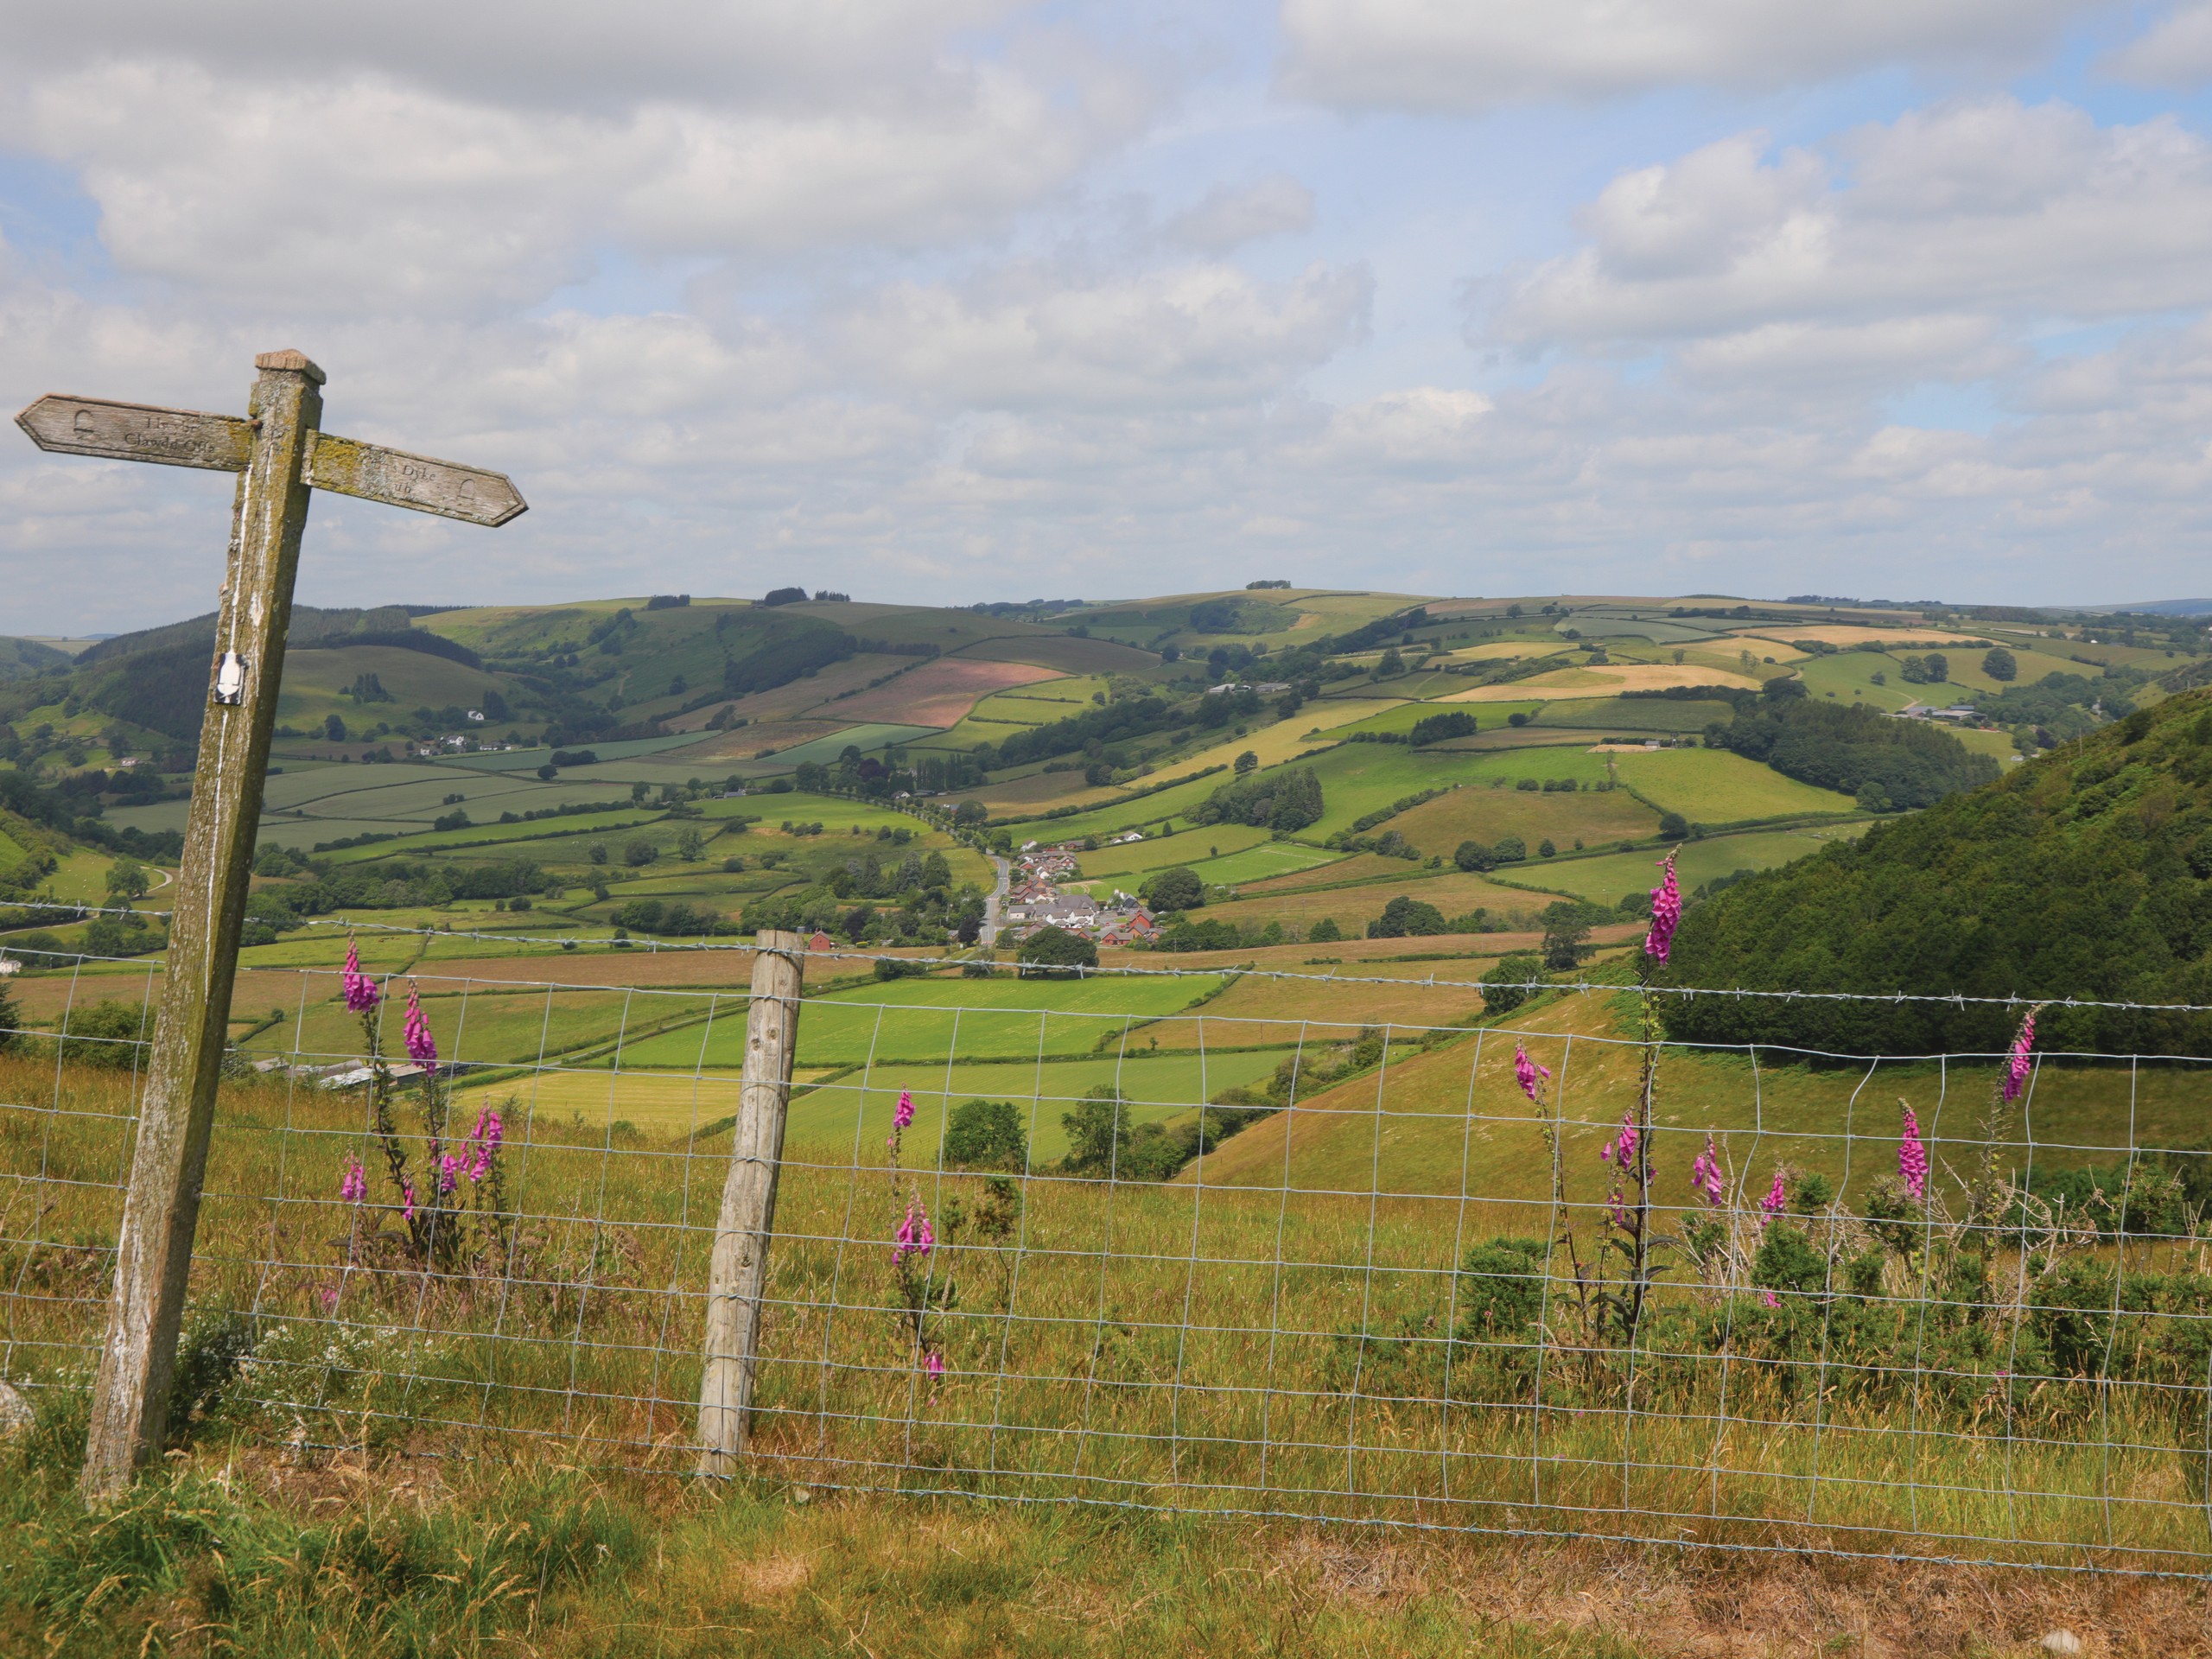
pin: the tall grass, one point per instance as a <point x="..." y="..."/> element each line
<point x="1187" y="1348"/>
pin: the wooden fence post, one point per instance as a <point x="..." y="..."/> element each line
<point x="738" y="1273"/>
<point x="131" y="1394"/>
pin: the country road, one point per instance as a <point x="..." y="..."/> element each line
<point x="989" y="935"/>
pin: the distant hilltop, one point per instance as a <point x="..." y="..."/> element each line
<point x="2155" y="607"/>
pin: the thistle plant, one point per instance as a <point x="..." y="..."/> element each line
<point x="436" y="1214"/>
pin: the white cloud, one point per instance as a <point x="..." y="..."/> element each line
<point x="1476" y="54"/>
<point x="1190" y="336"/>
<point x="300" y="181"/>
<point x="2176" y="51"/>
<point x="1229" y="216"/>
<point x="1987" y="207"/>
<point x="568" y="54"/>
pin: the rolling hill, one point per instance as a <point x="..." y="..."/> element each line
<point x="2086" y="874"/>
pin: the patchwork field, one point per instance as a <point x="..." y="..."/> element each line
<point x="939" y="693"/>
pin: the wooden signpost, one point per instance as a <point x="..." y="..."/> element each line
<point x="280" y="454"/>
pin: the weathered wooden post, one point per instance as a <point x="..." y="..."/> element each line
<point x="279" y="454"/>
<point x="737" y="1275"/>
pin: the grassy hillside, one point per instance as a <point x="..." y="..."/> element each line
<point x="2087" y="874"/>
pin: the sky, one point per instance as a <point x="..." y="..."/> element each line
<point x="946" y="301"/>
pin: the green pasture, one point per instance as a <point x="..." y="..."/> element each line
<point x="1453" y="892"/>
<point x="550" y="840"/>
<point x="530" y="758"/>
<point x="1459" y="1108"/>
<point x="1634" y="715"/>
<point x="1141" y="858"/>
<point x="316" y="680"/>
<point x="1714" y="786"/>
<point x="1257" y="861"/>
<point x="824" y="750"/>
<point x="489" y="1024"/>
<point x="1357" y="778"/>
<point x="1000" y="1018"/>
<point x="1404" y="716"/>
<point x="1269" y="858"/>
<point x="1487" y="813"/>
<point x="1125" y="814"/>
<point x="1849" y="676"/>
<point x="1998" y="746"/>
<point x="1607" y="879"/>
<point x="832" y="1117"/>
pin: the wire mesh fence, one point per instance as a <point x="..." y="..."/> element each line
<point x="1216" y="1244"/>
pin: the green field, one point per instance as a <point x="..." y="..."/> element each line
<point x="1633" y="715"/>
<point x="1606" y="881"/>
<point x="316" y="683"/>
<point x="1486" y="814"/>
<point x="1141" y="858"/>
<point x="855" y="1109"/>
<point x="1000" y="1018"/>
<point x="1352" y="907"/>
<point x="1847" y="677"/>
<point x="529" y="760"/>
<point x="1714" y="786"/>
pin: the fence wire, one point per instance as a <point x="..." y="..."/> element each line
<point x="1204" y="1243"/>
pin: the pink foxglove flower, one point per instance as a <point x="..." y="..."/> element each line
<point x="2018" y="1063"/>
<point x="421" y="1047"/>
<point x="360" y="990"/>
<point x="1772" y="1204"/>
<point x="1666" y="914"/>
<point x="903" y="1113"/>
<point x="1618" y="1209"/>
<point x="355" y="1185"/>
<point x="934" y="1364"/>
<point x="1621" y="1150"/>
<point x="1912" y="1158"/>
<point x="448" y="1172"/>
<point x="1526" y="1071"/>
<point x="407" y="1192"/>
<point x="915" y="1236"/>
<point x="1769" y="1298"/>
<point x="484" y="1143"/>
<point x="1704" y="1176"/>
